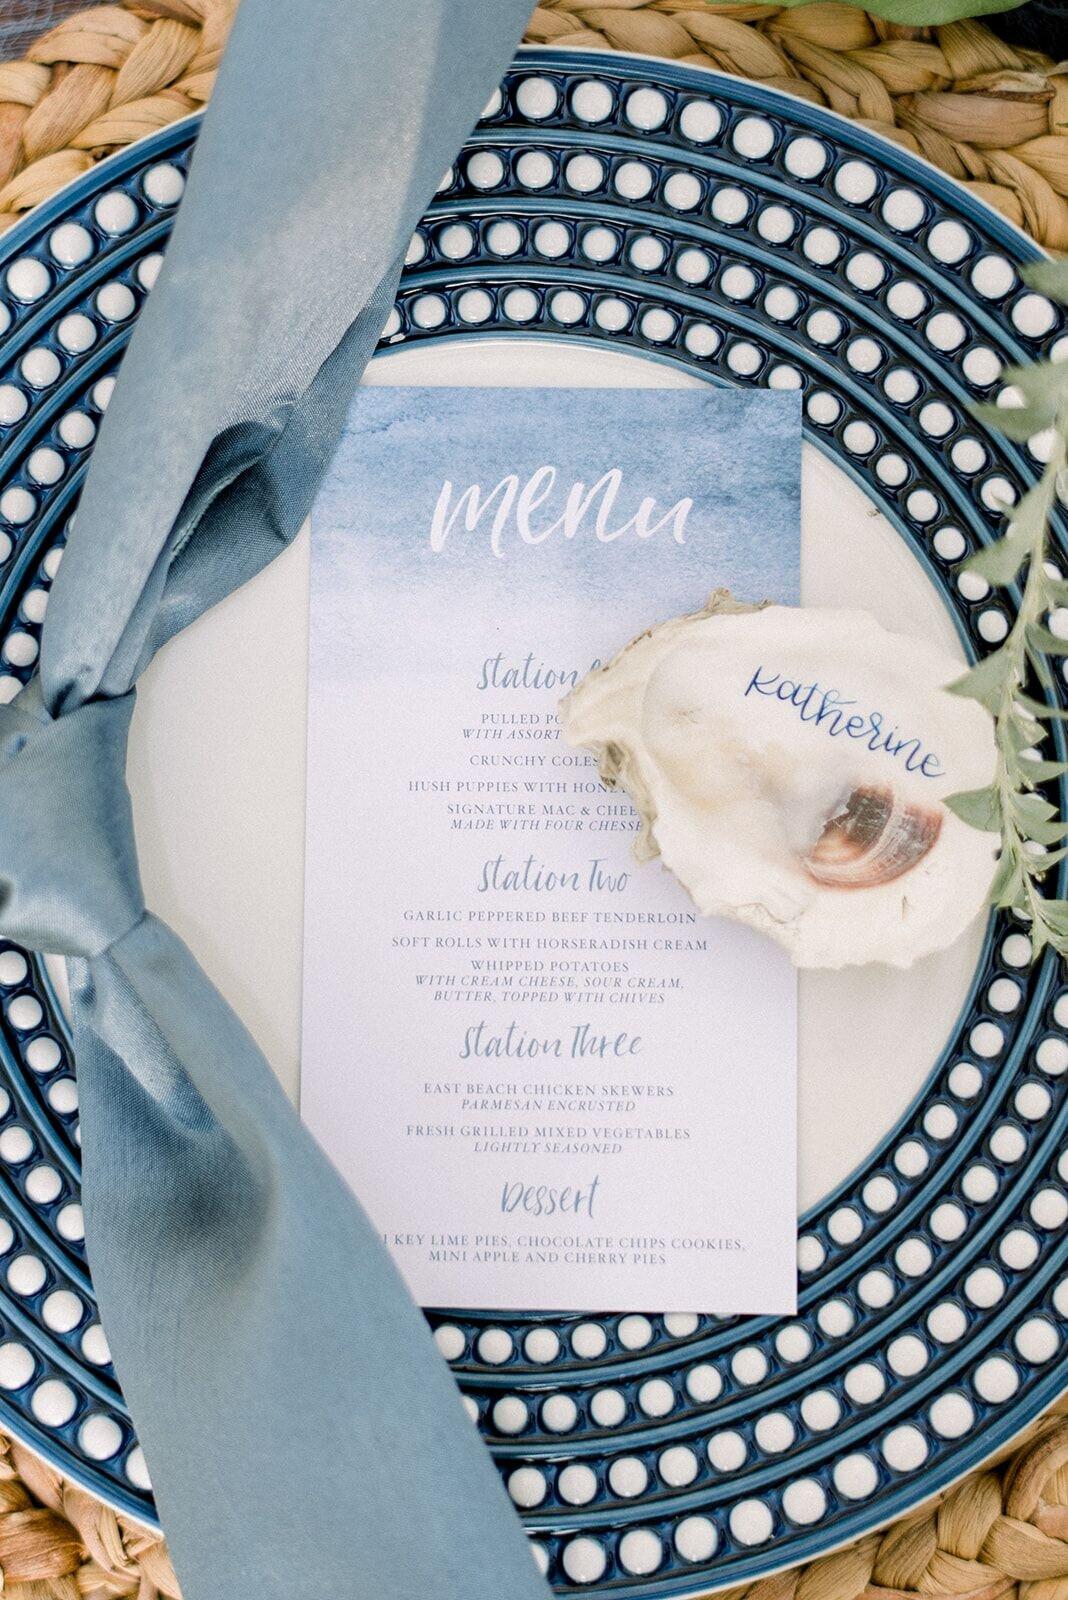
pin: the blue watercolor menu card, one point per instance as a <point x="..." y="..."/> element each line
<point x="550" y="1081"/>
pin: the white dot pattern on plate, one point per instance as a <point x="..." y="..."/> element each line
<point x="148" y="270"/>
<point x="949" y="241"/>
<point x="646" y="108"/>
<point x="116" y="212"/>
<point x="678" y="1466"/>
<point x="510" y="1415"/>
<point x="137" y="1469"/>
<point x="584" y="1560"/>
<point x="40" y="367"/>
<point x="751" y="1522"/>
<point x="17" y="1365"/>
<point x="753" y="138"/>
<point x="552" y="239"/>
<point x="822" y="245"/>
<point x="62" y="1311"/>
<point x="450" y="1341"/>
<point x="94" y="1346"/>
<point x="703" y="1384"/>
<point x="577" y="1484"/>
<point x="589" y="1340"/>
<point x="805" y="157"/>
<point x="54" y="1402"/>
<point x="164" y="184"/>
<point x="903" y="209"/>
<point x="633" y="180"/>
<point x="682" y="191"/>
<point x="527" y="1487"/>
<point x="730" y="205"/>
<point x="584" y="173"/>
<point x="504" y="238"/>
<point x="700" y="121"/>
<point x="696" y="1539"/>
<point x="906" y="300"/>
<point x="726" y="1451"/>
<point x="70" y="244"/>
<point x="600" y="244"/>
<point x="628" y="1477"/>
<point x="592" y="102"/>
<point x="856" y="182"/>
<point x="855" y="1476"/>
<point x="536" y="98"/>
<point x="100" y="1437"/>
<point x="647" y="253"/>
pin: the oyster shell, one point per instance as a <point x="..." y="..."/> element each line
<point x="789" y="765"/>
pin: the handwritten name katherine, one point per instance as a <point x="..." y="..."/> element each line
<point x="829" y="710"/>
<point x="584" y="509"/>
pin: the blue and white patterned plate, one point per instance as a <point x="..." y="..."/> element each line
<point x="748" y="238"/>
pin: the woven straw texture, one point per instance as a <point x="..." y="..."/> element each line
<point x="992" y="115"/>
<point x="1003" y="1532"/>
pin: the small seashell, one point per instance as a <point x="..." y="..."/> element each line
<point x="790" y="767"/>
<point x="872" y="837"/>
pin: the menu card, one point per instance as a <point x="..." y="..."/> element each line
<point x="550" y="1081"/>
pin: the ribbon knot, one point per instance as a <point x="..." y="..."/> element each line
<point x="69" y="882"/>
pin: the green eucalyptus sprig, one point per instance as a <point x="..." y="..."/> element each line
<point x="1034" y="836"/>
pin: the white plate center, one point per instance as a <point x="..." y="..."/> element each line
<point x="217" y="776"/>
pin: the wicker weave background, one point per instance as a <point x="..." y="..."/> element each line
<point x="988" y="113"/>
<point x="995" y="117"/>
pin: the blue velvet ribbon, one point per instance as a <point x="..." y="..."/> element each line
<point x="306" y="1441"/>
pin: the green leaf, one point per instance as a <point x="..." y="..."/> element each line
<point x="1046" y="833"/>
<point x="999" y="562"/>
<point x="1028" y="821"/>
<point x="1034" y="819"/>
<point x="1031" y="513"/>
<point x="986" y="681"/>
<point x="979" y="808"/>
<point x="1054" y="914"/>
<point x="1040" y="865"/>
<point x="1049" y="278"/>
<point x="1015" y="422"/>
<point x="1043" y="384"/>
<point x="1050" y="644"/>
<point x="1017" y="733"/>
<point x="1032" y="809"/>
<point x="1043" y="771"/>
<point x="1040" y="665"/>
<point x="1038" y="820"/>
<point x="926" y="13"/>
<point x="1040" y="708"/>
<point x="1008" y="882"/>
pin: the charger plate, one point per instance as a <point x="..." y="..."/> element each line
<point x="631" y="210"/>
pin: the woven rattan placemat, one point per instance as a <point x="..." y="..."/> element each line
<point x="991" y="114"/>
<point x="995" y="117"/>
